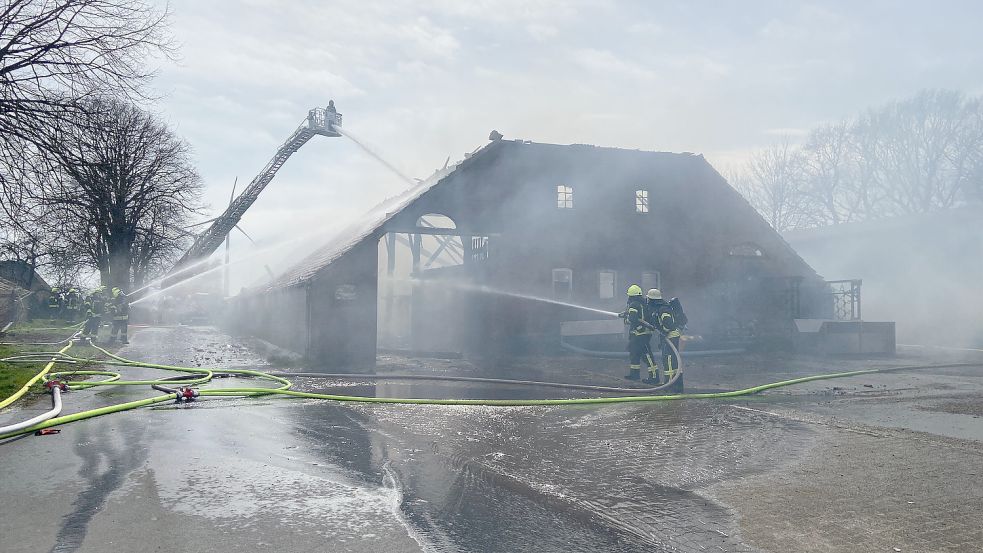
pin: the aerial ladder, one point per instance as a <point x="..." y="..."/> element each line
<point x="322" y="121"/>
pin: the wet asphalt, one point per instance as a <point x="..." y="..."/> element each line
<point x="290" y="475"/>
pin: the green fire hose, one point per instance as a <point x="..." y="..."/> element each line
<point x="202" y="376"/>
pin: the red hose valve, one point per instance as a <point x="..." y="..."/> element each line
<point x="52" y="384"/>
<point x="187" y="394"/>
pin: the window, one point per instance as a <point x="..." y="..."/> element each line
<point x="564" y="197"/>
<point x="608" y="281"/>
<point x="641" y="201"/>
<point x="436" y="220"/>
<point x="747" y="249"/>
<point x="562" y="284"/>
<point x="651" y="279"/>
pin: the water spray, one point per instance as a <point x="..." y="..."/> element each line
<point x="250" y="256"/>
<point x="376" y="156"/>
<point x="160" y="280"/>
<point x="489" y="290"/>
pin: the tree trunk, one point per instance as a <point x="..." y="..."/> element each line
<point x="119" y="265"/>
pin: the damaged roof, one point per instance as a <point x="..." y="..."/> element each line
<point x="372" y="223"/>
<point x="367" y="226"/>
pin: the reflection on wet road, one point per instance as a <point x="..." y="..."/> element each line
<point x="617" y="478"/>
<point x="307" y="475"/>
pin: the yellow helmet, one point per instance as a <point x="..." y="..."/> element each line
<point x="116" y="292"/>
<point x="634" y="290"/>
<point x="655" y="294"/>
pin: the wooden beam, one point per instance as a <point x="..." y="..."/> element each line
<point x="439" y="231"/>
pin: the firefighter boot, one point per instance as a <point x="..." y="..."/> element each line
<point x="634" y="373"/>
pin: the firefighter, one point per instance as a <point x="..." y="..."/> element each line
<point x="639" y="335"/>
<point x="667" y="322"/>
<point x="98" y="298"/>
<point x="86" y="306"/>
<point x="73" y="302"/>
<point x="54" y="303"/>
<point x="119" y="307"/>
<point x="90" y="331"/>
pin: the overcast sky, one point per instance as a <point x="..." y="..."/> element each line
<point x="426" y="79"/>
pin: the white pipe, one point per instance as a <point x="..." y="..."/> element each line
<point x="55" y="410"/>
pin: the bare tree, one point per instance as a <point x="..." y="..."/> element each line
<point x="967" y="155"/>
<point x="123" y="185"/>
<point x="56" y="53"/>
<point x="828" y="165"/>
<point x="773" y="182"/>
<point x="159" y="241"/>
<point x="912" y="156"/>
<point x="925" y="144"/>
<point x="28" y="232"/>
<point x="865" y="185"/>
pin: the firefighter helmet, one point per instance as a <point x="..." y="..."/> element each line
<point x="655" y="294"/>
<point x="634" y="290"/>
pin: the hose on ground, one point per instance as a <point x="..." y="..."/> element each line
<point x="624" y="354"/>
<point x="254" y="392"/>
<point x="475" y="379"/>
<point x="585" y="387"/>
<point x="24" y="389"/>
<point x="58" y="343"/>
<point x="54" y="412"/>
<point x="284" y="389"/>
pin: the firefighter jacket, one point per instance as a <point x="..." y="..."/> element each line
<point x="120" y="308"/>
<point x="73" y="299"/>
<point x="98" y="303"/>
<point x="636" y="318"/>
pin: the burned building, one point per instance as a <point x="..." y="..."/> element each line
<point x="451" y="264"/>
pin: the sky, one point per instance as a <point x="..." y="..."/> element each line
<point x="423" y="80"/>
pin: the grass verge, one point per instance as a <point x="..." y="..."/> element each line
<point x="15" y="375"/>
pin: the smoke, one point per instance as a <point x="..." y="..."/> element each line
<point x="256" y="259"/>
<point x="702" y="242"/>
<point x="921" y="271"/>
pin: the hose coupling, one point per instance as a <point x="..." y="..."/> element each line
<point x="52" y="384"/>
<point x="186" y="394"/>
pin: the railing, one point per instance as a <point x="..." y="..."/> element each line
<point x="479" y="248"/>
<point x="323" y="121"/>
<point x="846" y="299"/>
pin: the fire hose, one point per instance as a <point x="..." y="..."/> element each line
<point x="56" y="390"/>
<point x="201" y="376"/>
